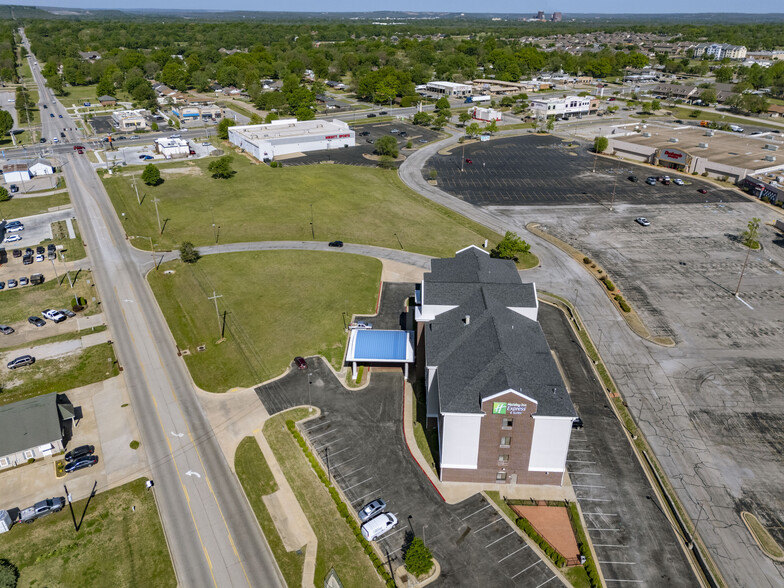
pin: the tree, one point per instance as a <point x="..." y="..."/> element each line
<point x="422" y="119"/>
<point x="440" y="121"/>
<point x="6" y="122"/>
<point x="510" y="247"/>
<point x="655" y="104"/>
<point x="105" y="87"/>
<point x="418" y="558"/>
<point x="221" y="168"/>
<point x="9" y="574"/>
<point x="386" y="145"/>
<point x="708" y="96"/>
<point x="305" y="113"/>
<point x="491" y="127"/>
<point x="151" y="175"/>
<point x="723" y="74"/>
<point x="4" y="195"/>
<point x="751" y="234"/>
<point x="472" y="129"/>
<point x="600" y="144"/>
<point x="189" y="253"/>
<point x="442" y="103"/>
<point x="464" y="117"/>
<point x="223" y="127"/>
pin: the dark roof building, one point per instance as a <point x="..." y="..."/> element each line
<point x="32" y="428"/>
<point x="493" y="388"/>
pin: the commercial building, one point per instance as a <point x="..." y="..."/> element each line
<point x="209" y="112"/>
<point x="695" y="150"/>
<point x="493" y="388"/>
<point x="172" y="148"/>
<point x="32" y="428"/>
<point x="23" y="171"/>
<point x="568" y="107"/>
<point x="485" y="114"/>
<point x="129" y="120"/>
<point x="449" y="89"/>
<point x="282" y="137"/>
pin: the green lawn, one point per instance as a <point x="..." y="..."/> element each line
<point x="337" y="546"/>
<point x="30" y="206"/>
<point x="353" y="204"/>
<point x="257" y="481"/>
<point x="116" y="546"/>
<point x="682" y="113"/>
<point x="72" y="248"/>
<point x="279" y="304"/>
<point x="87" y="366"/>
<point x="21" y="302"/>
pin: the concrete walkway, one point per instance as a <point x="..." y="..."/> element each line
<point x="54" y="350"/>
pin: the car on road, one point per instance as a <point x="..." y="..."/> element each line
<point x="383" y="112"/>
<point x="371" y="115"/>
<point x="377" y="526"/>
<point x="702" y="191"/>
<point x="369" y="140"/>
<point x="301" y="363"/>
<point x="23" y="281"/>
<point x="633" y="178"/>
<point x="371" y="509"/>
<point x="469" y="161"/>
<point x="14" y="228"/>
<point x="641" y="220"/>
<point x="62" y="135"/>
<point x="336" y="243"/>
<point x="174" y="136"/>
<point x="21" y="361"/>
<point x="61" y="116"/>
<point x="12" y="283"/>
<point x="42" y="140"/>
<point x="77" y="147"/>
<point x="36" y="321"/>
<point x="12" y="238"/>
<point x="5" y="329"/>
<point x="55" y="140"/>
<point x="146" y="157"/>
<point x="51" y="115"/>
<point x="423" y="140"/>
<point x="85" y="462"/>
<point x="53" y="315"/>
<point x="45" y="106"/>
<point x="678" y="182"/>
<point x="79" y="452"/>
<point x="206" y="144"/>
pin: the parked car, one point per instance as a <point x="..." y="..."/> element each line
<point x="469" y="161"/>
<point x="14" y="228"/>
<point x="51" y="247"/>
<point x="85" y="462"/>
<point x="53" y="315"/>
<point x="39" y="257"/>
<point x="577" y="423"/>
<point x="13" y="238"/>
<point x="79" y="452"/>
<point x="17" y="253"/>
<point x="12" y="283"/>
<point x="5" y="329"/>
<point x="35" y="320"/>
<point x="23" y="281"/>
<point x="702" y="191"/>
<point x="633" y="178"/>
<point x="21" y="361"/>
<point x="371" y="509"/>
<point x="377" y="526"/>
<point x="13" y="188"/>
<point x="360" y="325"/>
<point x="40" y="249"/>
<point x="394" y="131"/>
<point x="68" y="313"/>
<point x="206" y="144"/>
<point x="678" y="182"/>
<point x="651" y="181"/>
<point x="2" y="285"/>
<point x="301" y="363"/>
<point x="364" y="133"/>
<point x="336" y="243"/>
<point x="642" y="221"/>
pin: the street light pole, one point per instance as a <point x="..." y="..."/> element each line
<point x="310" y="405"/>
<point x="54" y="267"/>
<point x="742" y="271"/>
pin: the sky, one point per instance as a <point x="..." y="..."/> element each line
<point x="468" y="6"/>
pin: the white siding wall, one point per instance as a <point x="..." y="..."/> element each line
<point x="432" y="392"/>
<point x="460" y="440"/>
<point x="550" y="444"/>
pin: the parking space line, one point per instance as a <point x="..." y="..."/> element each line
<point x="357" y="484"/>
<point x="353" y="471"/>
<point x="328" y="444"/>
<point x="584" y="474"/>
<point x="526" y="569"/>
<point x="361" y="498"/>
<point x="608" y="545"/>
<point x="317" y="425"/>
<point x="619" y="563"/>
<point x="594" y="499"/>
<point x="400" y="530"/>
<point x="499" y="539"/>
<point x="334" y="453"/>
<point x="600" y="529"/>
<point x="322" y="435"/>
<point x="603" y="514"/>
<point x="489" y="524"/>
<point x="546" y="581"/>
<point x="337" y="465"/>
<point x="616" y="580"/>
<point x="473" y="513"/>
<point x="578" y="461"/>
<point x="511" y="554"/>
<point x="587" y="486"/>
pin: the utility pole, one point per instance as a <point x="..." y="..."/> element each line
<point x="155" y="201"/>
<point x="214" y="298"/>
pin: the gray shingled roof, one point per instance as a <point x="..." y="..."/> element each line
<point x="29" y="423"/>
<point x="497" y="350"/>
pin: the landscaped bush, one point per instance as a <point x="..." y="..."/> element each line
<point x="608" y="283"/>
<point x="622" y="303"/>
<point x="586" y="260"/>
<point x="418" y="558"/>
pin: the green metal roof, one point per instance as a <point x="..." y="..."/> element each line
<point x="29" y="423"/>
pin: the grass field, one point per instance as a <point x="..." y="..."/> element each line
<point x="57" y="338"/>
<point x="257" y="481"/>
<point x="353" y="204"/>
<point x="337" y="546"/>
<point x="683" y="114"/>
<point x="21" y="302"/>
<point x="87" y="366"/>
<point x="279" y="304"/>
<point x="29" y="206"/>
<point x="115" y="546"/>
<point x="72" y="248"/>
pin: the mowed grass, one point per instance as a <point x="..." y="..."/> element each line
<point x="19" y="303"/>
<point x="257" y="481"/>
<point x="17" y="207"/>
<point x="337" y="546"/>
<point x="353" y="204"/>
<point x="278" y="304"/>
<point x="73" y="249"/>
<point x="58" y="374"/>
<point x="115" y="546"/>
<point x="56" y="338"/>
<point x="683" y="113"/>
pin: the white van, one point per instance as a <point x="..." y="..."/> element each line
<point x="377" y="526"/>
<point x="736" y="128"/>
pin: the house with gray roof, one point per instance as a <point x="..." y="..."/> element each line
<point x="32" y="429"/>
<point x="494" y="390"/>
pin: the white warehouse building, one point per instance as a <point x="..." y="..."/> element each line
<point x="172" y="147"/>
<point x="564" y="107"/>
<point x="450" y="88"/>
<point x="281" y="137"/>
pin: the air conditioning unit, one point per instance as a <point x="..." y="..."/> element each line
<point x="674" y="139"/>
<point x="770" y="158"/>
<point x="710" y="133"/>
<point x="702" y="145"/>
<point x="771" y="147"/>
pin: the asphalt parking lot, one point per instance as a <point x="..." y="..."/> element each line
<point x="534" y="170"/>
<point x="360" y="435"/>
<point x="633" y="539"/>
<point x="354" y="155"/>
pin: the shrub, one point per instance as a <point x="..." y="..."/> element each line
<point x="189" y="253"/>
<point x="31" y="460"/>
<point x="593" y="265"/>
<point x="600" y="271"/>
<point x="134" y="444"/>
<point x="608" y="284"/>
<point x="418" y="558"/>
<point x="586" y="260"/>
<point x="9" y="575"/>
<point x="360" y="371"/>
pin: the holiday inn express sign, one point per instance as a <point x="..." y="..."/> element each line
<point x="508" y="408"/>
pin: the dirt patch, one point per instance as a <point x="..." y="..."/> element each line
<point x="182" y="171"/>
<point x="552" y="523"/>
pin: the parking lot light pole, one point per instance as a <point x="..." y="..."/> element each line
<point x="310" y="405"/>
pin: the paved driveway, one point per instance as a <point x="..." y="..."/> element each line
<point x="360" y="434"/>
<point x="532" y="169"/>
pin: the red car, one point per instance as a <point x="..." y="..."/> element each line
<point x="469" y="161"/>
<point x="702" y="191"/>
<point x="301" y="363"/>
<point x="78" y="147"/>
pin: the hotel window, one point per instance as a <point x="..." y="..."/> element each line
<point x="3" y="462"/>
<point x="506" y="441"/>
<point x="500" y="477"/>
<point x="503" y="459"/>
<point x="507" y="423"/>
<point x="28" y="454"/>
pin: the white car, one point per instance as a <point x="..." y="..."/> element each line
<point x="39" y="257"/>
<point x="678" y="182"/>
<point x="12" y="238"/>
<point x="642" y="221"/>
<point x="53" y="315"/>
<point x="14" y="228"/>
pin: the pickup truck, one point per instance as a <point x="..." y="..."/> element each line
<point x="41" y="509"/>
